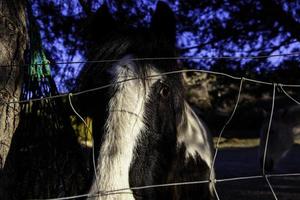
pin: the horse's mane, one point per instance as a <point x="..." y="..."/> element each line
<point x="140" y="43"/>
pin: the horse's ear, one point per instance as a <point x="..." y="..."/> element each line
<point x="103" y="18"/>
<point x="163" y="22"/>
<point x="99" y="24"/>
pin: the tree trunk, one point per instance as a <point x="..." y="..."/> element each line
<point x="13" y="40"/>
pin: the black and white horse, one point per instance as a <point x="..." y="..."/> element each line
<point x="145" y="133"/>
<point x="285" y="129"/>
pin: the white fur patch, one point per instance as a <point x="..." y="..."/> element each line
<point x="193" y="135"/>
<point x="123" y="126"/>
<point x="296" y="131"/>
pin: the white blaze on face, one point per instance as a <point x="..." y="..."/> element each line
<point x="123" y="126"/>
<point x="194" y="137"/>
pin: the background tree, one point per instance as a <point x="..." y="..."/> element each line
<point x="13" y="40"/>
<point x="205" y="28"/>
<point x="39" y="153"/>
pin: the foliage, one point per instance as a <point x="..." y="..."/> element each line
<point x="204" y="28"/>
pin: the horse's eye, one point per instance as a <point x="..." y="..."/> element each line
<point x="164" y="91"/>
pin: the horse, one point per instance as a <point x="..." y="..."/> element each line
<point x="145" y="133"/>
<point x="285" y="129"/>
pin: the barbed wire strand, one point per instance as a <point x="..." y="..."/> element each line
<point x="92" y="139"/>
<point x="271" y="187"/>
<point x="268" y="131"/>
<point x="164" y="58"/>
<point x="289" y="96"/>
<point x="221" y="133"/>
<point x="267" y="142"/>
<point x="104" y="193"/>
<point x="153" y="76"/>
<point x="281" y="175"/>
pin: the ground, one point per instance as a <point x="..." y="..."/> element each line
<point x="239" y="157"/>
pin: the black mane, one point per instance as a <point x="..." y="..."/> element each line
<point x="112" y="40"/>
<point x="139" y="43"/>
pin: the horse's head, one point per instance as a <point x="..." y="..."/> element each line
<point x="147" y="133"/>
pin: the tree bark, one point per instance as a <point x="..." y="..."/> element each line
<point x="13" y="40"/>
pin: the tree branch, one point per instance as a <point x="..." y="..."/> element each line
<point x="275" y="11"/>
<point x="86" y="6"/>
<point x="198" y="46"/>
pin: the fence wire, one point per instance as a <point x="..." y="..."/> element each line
<point x="264" y="174"/>
<point x="150" y="77"/>
<point x="292" y="54"/>
<point x="267" y="141"/>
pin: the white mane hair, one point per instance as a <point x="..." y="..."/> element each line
<point x="123" y="126"/>
<point x="193" y="134"/>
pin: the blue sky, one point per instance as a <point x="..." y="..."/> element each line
<point x="184" y="39"/>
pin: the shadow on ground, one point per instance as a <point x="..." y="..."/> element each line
<point x="238" y="162"/>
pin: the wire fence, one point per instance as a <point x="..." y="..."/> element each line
<point x="292" y="54"/>
<point x="264" y="174"/>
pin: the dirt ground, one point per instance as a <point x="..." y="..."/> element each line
<point x="235" y="160"/>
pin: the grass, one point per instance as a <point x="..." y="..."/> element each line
<point x="241" y="143"/>
<point x="236" y="142"/>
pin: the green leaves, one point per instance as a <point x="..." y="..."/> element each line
<point x="39" y="66"/>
